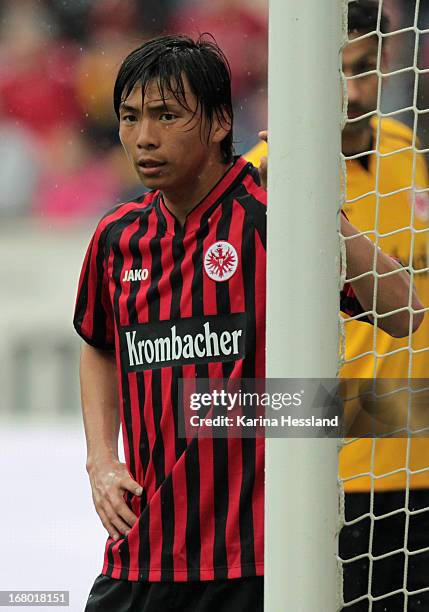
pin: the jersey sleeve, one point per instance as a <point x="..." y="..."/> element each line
<point x="350" y="305"/>
<point x="93" y="317"/>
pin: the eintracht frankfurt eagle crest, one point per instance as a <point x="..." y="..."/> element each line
<point x="221" y="261"/>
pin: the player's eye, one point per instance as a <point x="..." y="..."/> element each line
<point x="167" y="117"/>
<point x="129" y="118"/>
<point x="365" y="67"/>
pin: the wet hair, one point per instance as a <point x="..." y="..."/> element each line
<point x="363" y="17"/>
<point x="167" y="59"/>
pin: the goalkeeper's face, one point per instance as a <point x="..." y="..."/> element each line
<point x="360" y="68"/>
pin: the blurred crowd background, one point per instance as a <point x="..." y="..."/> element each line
<point x="60" y="161"/>
<point x="59" y="154"/>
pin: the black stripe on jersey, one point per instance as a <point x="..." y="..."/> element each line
<point x="118" y="263"/>
<point x="220" y="445"/>
<point x="192" y="463"/>
<point x="176" y="283"/>
<point x="136" y="265"/>
<point x="352" y="307"/>
<point x="248" y="446"/>
<point x="191" y="458"/>
<point x="144" y="454"/>
<point x="82" y="302"/>
<point x="223" y="301"/>
<point x="116" y="228"/>
<point x="158" y="454"/>
<point x="154" y="310"/>
<point x="144" y="520"/>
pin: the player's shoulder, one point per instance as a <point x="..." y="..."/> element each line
<point x="255" y="155"/>
<point x="125" y="212"/>
<point x="394" y="135"/>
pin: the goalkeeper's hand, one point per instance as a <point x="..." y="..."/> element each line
<point x="263" y="168"/>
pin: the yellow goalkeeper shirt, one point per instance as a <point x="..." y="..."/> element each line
<point x="391" y="459"/>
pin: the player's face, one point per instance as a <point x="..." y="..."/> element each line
<point x="359" y="59"/>
<point x="166" y="143"/>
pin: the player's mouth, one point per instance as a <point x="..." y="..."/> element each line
<point x="150" y="167"/>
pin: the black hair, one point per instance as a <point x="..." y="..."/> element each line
<point x="167" y="59"/>
<point x="363" y="17"/>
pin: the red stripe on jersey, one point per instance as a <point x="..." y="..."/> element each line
<point x="134" y="537"/>
<point x="180" y="516"/>
<point x="236" y="239"/>
<point x="209" y="285"/>
<point x="188" y="371"/>
<point x="165" y="297"/>
<point x="235" y="475"/>
<point x="150" y="476"/>
<point x="155" y="537"/>
<point x="205" y="453"/>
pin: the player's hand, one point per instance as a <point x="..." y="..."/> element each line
<point x="109" y="480"/>
<point x="263" y="168"/>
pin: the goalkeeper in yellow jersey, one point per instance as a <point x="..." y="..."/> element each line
<point x="381" y="547"/>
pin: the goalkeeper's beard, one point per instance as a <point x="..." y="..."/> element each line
<point x="356" y="137"/>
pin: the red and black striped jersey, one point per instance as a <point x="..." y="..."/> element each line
<point x="177" y="303"/>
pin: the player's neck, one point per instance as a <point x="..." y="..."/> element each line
<point x="180" y="202"/>
<point x="358" y="142"/>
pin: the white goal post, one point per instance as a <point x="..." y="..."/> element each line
<point x="384" y="546"/>
<point x="301" y="503"/>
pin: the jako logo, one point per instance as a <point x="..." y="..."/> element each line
<point x="136" y="275"/>
<point x="221" y="261"/>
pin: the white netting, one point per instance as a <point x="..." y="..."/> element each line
<point x="384" y="545"/>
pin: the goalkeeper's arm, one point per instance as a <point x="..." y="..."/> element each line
<point x="394" y="291"/>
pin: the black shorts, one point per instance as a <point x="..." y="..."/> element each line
<point x="235" y="595"/>
<point x="389" y="534"/>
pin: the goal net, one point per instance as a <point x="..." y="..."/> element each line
<point x="384" y="539"/>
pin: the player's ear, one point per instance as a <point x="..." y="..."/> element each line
<point x="221" y="126"/>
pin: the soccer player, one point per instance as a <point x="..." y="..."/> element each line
<point x="173" y="287"/>
<point x="395" y="358"/>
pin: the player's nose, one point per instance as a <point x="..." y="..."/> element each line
<point x="148" y="136"/>
<point x="353" y="90"/>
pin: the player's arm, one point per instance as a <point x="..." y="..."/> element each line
<point x="100" y="406"/>
<point x="393" y="291"/>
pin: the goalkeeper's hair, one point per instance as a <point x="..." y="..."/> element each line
<point x="363" y="17"/>
<point x="167" y="59"/>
